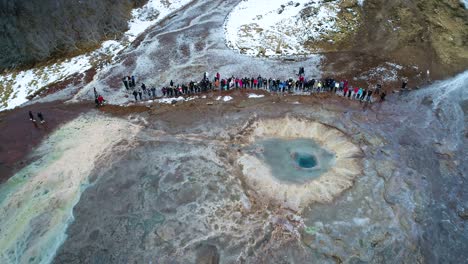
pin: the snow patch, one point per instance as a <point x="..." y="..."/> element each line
<point x="387" y="72"/>
<point x="150" y="14"/>
<point x="171" y="100"/>
<point x="256" y="95"/>
<point x="224" y="98"/>
<point x="279" y="27"/>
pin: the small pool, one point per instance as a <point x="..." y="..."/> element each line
<point x="293" y="160"/>
<point x="304" y="160"/>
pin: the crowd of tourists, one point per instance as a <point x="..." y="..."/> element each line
<point x="297" y="85"/>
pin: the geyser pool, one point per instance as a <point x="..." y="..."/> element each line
<point x="294" y="160"/>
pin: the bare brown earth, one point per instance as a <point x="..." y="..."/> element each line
<point x="427" y="34"/>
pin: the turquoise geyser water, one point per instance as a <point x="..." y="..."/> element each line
<point x="36" y="204"/>
<point x="294" y="160"/>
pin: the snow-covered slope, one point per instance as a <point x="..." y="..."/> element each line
<point x="15" y="87"/>
<point x="282" y="27"/>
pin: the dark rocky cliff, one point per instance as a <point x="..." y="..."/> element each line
<point x="34" y="30"/>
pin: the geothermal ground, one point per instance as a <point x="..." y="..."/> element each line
<point x="167" y="185"/>
<point x="240" y="176"/>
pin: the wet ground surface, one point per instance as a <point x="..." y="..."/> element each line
<point x="19" y="135"/>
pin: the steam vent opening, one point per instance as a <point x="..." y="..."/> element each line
<point x="295" y="162"/>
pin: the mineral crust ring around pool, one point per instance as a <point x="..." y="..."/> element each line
<point x="258" y="175"/>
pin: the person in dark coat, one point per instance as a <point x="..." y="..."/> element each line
<point x="31" y="117"/>
<point x="133" y="81"/>
<point x="404" y="84"/>
<point x="171" y="83"/>
<point x="364" y="94"/>
<point x="125" y="81"/>
<point x="140" y="94"/>
<point x="41" y="117"/>
<point x="369" y="96"/>
<point x="135" y="94"/>
<point x="377" y="90"/>
<point x="129" y="81"/>
<point x="382" y="96"/>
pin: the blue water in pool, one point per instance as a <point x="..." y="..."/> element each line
<point x="294" y="160"/>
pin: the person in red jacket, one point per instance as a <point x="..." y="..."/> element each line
<point x="100" y="100"/>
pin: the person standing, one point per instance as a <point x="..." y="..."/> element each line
<point x="153" y="91"/>
<point x="369" y="96"/>
<point x="31" y="117"/>
<point x="41" y="117"/>
<point x="129" y="81"/>
<point x="364" y="94"/>
<point x="359" y="94"/>
<point x="133" y="81"/>
<point x="100" y="100"/>
<point x="355" y="92"/>
<point x="404" y="84"/>
<point x="345" y="91"/>
<point x="382" y="96"/>
<point x="140" y="94"/>
<point x="171" y="83"/>
<point x="125" y="81"/>
<point x="135" y="94"/>
<point x="378" y="88"/>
